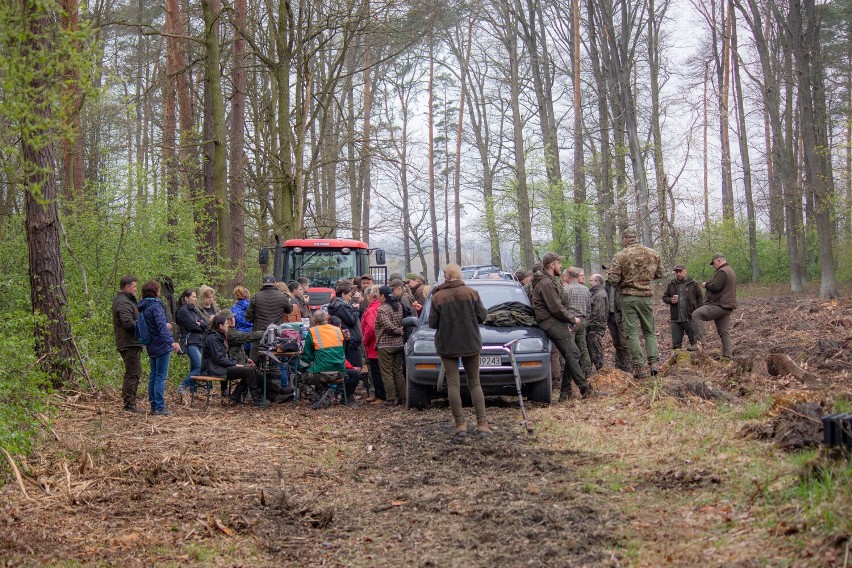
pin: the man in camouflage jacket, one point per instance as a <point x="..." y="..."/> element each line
<point x="632" y="270"/>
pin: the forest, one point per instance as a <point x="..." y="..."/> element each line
<point x="179" y="138"/>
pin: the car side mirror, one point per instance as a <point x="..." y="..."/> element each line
<point x="263" y="256"/>
<point x="380" y="256"/>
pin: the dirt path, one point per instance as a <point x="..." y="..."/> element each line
<point x="651" y="474"/>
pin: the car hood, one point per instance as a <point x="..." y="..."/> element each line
<point x="491" y="335"/>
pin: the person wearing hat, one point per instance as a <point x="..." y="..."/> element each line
<point x="418" y="289"/>
<point x="366" y="282"/>
<point x="632" y="270"/>
<point x="720" y="303"/>
<point x="683" y="295"/>
<point x="556" y="321"/>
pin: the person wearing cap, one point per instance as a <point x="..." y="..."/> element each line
<point x="579" y="303"/>
<point x="596" y="322"/>
<point x="683" y="295"/>
<point x="632" y="270"/>
<point x="418" y="289"/>
<point x="366" y="282"/>
<point x="268" y="305"/>
<point x="554" y="318"/>
<point x="720" y="303"/>
<point x="456" y="314"/>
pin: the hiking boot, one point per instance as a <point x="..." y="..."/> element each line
<point x="283" y="397"/>
<point x="641" y="373"/>
<point x="163" y="412"/>
<point x="389" y="402"/>
<point x="565" y="394"/>
<point x="655" y="368"/>
<point x="258" y="402"/>
<point x="133" y="409"/>
<point x="692" y="348"/>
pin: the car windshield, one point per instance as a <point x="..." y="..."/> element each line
<point x="491" y="295"/>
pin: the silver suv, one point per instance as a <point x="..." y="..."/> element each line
<point x="532" y="352"/>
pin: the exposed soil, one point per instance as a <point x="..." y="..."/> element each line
<point x="370" y="486"/>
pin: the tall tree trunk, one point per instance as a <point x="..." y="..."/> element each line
<point x="215" y="146"/>
<point x="804" y="32"/>
<point x="72" y="146"/>
<point x="705" y="161"/>
<point x="535" y="38"/>
<point x="654" y="22"/>
<point x="604" y="176"/>
<point x="365" y="172"/>
<point x="580" y="218"/>
<point x="723" y="78"/>
<point x="433" y="219"/>
<point x="744" y="152"/>
<point x="53" y="340"/>
<point x="459" y="130"/>
<point x="522" y="193"/>
<point x="238" y="166"/>
<point x="169" y="128"/>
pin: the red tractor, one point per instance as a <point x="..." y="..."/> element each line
<point x="323" y="262"/>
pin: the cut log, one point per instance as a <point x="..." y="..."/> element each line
<point x="780" y="364"/>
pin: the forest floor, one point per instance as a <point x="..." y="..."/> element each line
<point x="704" y="466"/>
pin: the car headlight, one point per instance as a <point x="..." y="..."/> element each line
<point x="529" y="345"/>
<point x="424" y="347"/>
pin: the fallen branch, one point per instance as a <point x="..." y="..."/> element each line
<point x="17" y="474"/>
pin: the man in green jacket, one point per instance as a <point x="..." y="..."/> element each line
<point x="720" y="303"/>
<point x="124" y="315"/>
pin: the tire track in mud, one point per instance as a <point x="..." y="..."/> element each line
<point x="414" y="495"/>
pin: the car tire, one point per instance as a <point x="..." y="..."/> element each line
<point x="538" y="392"/>
<point x="417" y="396"/>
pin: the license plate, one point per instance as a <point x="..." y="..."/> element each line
<point x="490" y="361"/>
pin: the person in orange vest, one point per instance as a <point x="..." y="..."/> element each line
<point x="324" y="352"/>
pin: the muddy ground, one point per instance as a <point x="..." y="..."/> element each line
<point x="651" y="474"/>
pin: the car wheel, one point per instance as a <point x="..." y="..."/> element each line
<point x="417" y="396"/>
<point x="538" y="392"/>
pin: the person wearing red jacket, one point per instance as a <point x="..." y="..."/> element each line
<point x="368" y="327"/>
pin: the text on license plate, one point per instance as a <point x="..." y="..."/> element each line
<point x="490" y="361"/>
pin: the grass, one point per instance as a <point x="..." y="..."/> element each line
<point x="749" y="497"/>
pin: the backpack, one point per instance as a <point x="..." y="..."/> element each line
<point x="143" y="335"/>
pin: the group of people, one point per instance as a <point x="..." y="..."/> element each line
<point x="576" y="318"/>
<point x="367" y="345"/>
<point x="219" y="342"/>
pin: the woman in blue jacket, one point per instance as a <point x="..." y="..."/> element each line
<point x="160" y="347"/>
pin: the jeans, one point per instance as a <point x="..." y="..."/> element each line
<point x="157" y="381"/>
<point x="194" y="352"/>
<point x="638" y="311"/>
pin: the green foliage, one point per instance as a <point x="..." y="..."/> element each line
<point x="23" y="390"/>
<point x="731" y="239"/>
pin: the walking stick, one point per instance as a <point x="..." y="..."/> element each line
<point x="524" y="422"/>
